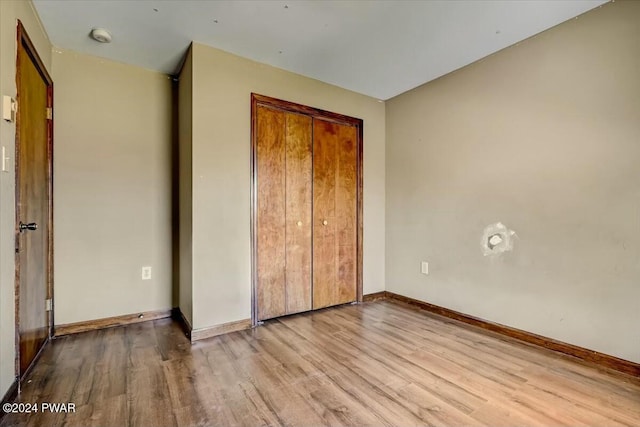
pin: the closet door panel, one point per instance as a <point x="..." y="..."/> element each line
<point x="324" y="213"/>
<point x="271" y="208"/>
<point x="346" y="214"/>
<point x="298" y="212"/>
<point x="306" y="216"/>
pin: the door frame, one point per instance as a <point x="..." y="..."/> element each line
<point x="262" y="100"/>
<point x="24" y="43"/>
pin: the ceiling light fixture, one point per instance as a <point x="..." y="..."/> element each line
<point x="101" y="35"/>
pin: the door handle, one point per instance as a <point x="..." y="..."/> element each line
<point x="30" y="226"/>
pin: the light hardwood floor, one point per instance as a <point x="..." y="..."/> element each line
<point x="378" y="363"/>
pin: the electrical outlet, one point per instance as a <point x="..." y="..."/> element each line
<point x="424" y="267"/>
<point x="146" y="273"/>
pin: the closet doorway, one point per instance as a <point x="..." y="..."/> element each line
<point x="306" y="225"/>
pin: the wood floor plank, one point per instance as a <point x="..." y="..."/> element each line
<point x="497" y="415"/>
<point x="434" y="410"/>
<point x="580" y="414"/>
<point x="595" y="399"/>
<point x="284" y="404"/>
<point x="378" y="363"/>
<point x="247" y="411"/>
<point x="147" y="394"/>
<point x="112" y="411"/>
<point x="335" y="405"/>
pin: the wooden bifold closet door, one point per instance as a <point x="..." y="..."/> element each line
<point x="284" y="212"/>
<point x="334" y="212"/>
<point x="306" y="223"/>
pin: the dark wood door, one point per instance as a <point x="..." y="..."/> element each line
<point x="33" y="193"/>
<point x="283" y="163"/>
<point x="335" y="213"/>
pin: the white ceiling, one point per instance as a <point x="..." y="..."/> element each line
<point x="378" y="48"/>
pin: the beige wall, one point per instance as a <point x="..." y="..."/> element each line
<point x="112" y="188"/>
<point x="10" y="12"/>
<point x="185" y="120"/>
<point x="545" y="137"/>
<point x="222" y="84"/>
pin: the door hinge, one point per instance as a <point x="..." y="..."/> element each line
<point x="48" y="304"/>
<point x="49" y="113"/>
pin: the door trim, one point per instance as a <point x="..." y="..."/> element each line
<point x="24" y="43"/>
<point x="261" y="100"/>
